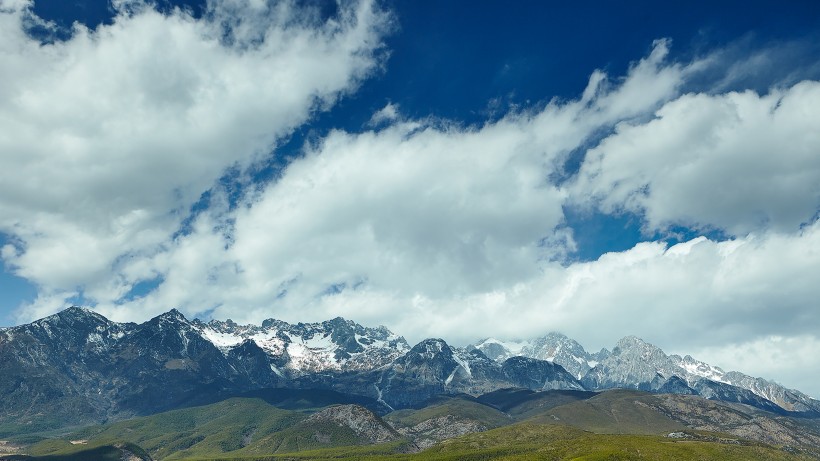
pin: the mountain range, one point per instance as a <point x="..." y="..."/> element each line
<point x="77" y="367"/>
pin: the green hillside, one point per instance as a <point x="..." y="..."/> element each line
<point x="611" y="412"/>
<point x="94" y="451"/>
<point x="612" y="425"/>
<point x="552" y="442"/>
<point x="212" y="429"/>
<point x="524" y="403"/>
<point x="237" y="426"/>
<point x="530" y="441"/>
<point x="457" y="407"/>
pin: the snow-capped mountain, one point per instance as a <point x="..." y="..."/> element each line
<point x="788" y="399"/>
<point x="433" y="367"/>
<point x="79" y="367"/>
<point x="500" y="350"/>
<point x="634" y="363"/>
<point x="553" y="347"/>
<point x="337" y="344"/>
<point x="637" y="364"/>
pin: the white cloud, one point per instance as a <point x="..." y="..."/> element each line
<point x="109" y="137"/>
<point x="737" y="162"/>
<point x="418" y="210"/>
<point x="388" y="113"/>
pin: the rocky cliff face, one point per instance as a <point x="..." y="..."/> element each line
<point x="368" y="427"/>
<point x="431" y="431"/>
<point x="537" y="374"/>
<point x="706" y="415"/>
<point x="555" y="347"/>
<point x="633" y="364"/>
<point x="432" y="367"/>
<point x="304" y="348"/>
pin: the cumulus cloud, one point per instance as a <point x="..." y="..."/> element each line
<point x="109" y="137"/>
<point x="737" y="162"/>
<point x="418" y="210"/>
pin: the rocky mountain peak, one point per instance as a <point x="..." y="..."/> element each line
<point x="431" y="348"/>
<point x="634" y="363"/>
<point x="172" y="316"/>
<point x="493" y="349"/>
<point x="632" y="345"/>
<point x="339" y="322"/>
<point x="274" y="323"/>
<point x="76" y="311"/>
<point x="74" y="315"/>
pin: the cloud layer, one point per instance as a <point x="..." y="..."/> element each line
<point x="428" y="226"/>
<point x="738" y="162"/>
<point x="111" y="136"/>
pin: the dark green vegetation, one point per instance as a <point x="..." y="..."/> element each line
<point x="511" y="424"/>
<point x="463" y="407"/>
<point x="614" y="412"/>
<point x="94" y="452"/>
<point x="216" y="428"/>
<point x="530" y="441"/>
<point x="524" y="403"/>
<point x="240" y="425"/>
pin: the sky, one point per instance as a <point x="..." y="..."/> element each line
<point x="446" y="169"/>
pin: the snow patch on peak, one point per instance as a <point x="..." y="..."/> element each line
<point x="431" y="346"/>
<point x="499" y="350"/>
<point x="222" y="341"/>
<point x="629" y="342"/>
<point x="463" y="362"/>
<point x="514" y="347"/>
<point x="310" y="347"/>
<point x="694" y="369"/>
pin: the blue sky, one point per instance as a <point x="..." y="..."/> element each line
<point x="452" y="169"/>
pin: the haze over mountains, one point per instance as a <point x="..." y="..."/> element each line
<point x="78" y="366"/>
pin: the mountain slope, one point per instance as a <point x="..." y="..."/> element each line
<point x="77" y="367"/>
<point x="445" y="418"/>
<point x="531" y="441"/>
<point x="636" y="364"/>
<point x="238" y="426"/>
<point x="337" y="344"/>
<point x="553" y="347"/>
<point x="250" y="428"/>
<point x="432" y="367"/>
